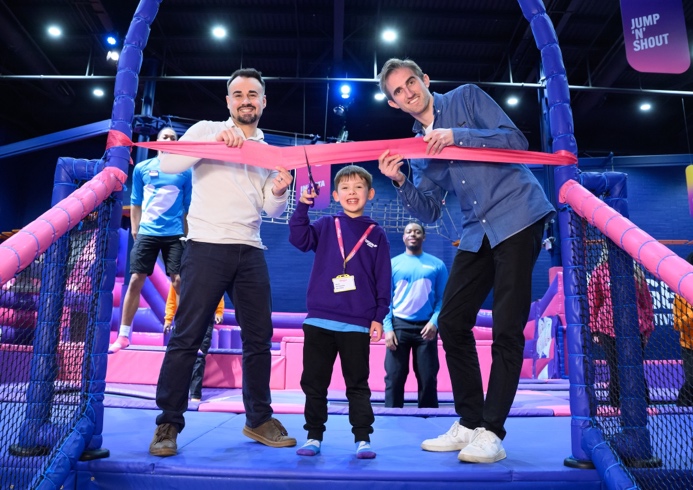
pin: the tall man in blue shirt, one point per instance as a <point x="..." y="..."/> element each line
<point x="418" y="281"/>
<point x="158" y="205"/>
<point x="504" y="211"/>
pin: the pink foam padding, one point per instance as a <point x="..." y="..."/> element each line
<point x="527" y="371"/>
<point x="530" y="326"/>
<point x="483" y="333"/>
<point x="225" y="371"/>
<point x="293" y="350"/>
<point x="134" y="366"/>
<point x="222" y="370"/>
<point x="237" y="407"/>
<point x="280" y="333"/>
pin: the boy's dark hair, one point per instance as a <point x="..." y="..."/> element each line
<point x="246" y="73"/>
<point x="395" y="64"/>
<point x="351" y="170"/>
<point x="689" y="259"/>
<point x="167" y="128"/>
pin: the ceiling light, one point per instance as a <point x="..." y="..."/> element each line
<point x="54" y="31"/>
<point x="513" y="101"/>
<point x="345" y="90"/>
<point x="219" y="32"/>
<point x="111" y="40"/>
<point x="379" y="96"/>
<point x="113" y="55"/>
<point x="98" y="92"/>
<point x="645" y="106"/>
<point x="389" y="35"/>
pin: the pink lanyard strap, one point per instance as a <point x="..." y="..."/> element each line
<point x="338" y="227"/>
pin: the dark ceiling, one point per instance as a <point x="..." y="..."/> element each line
<point x="306" y="48"/>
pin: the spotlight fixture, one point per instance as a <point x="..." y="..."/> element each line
<point x="645" y="106"/>
<point x="345" y="90"/>
<point x="112" y="55"/>
<point x="389" y="35"/>
<point x="98" y="92"/>
<point x="340" y="110"/>
<point x="513" y="101"/>
<point x="111" y="40"/>
<point x="219" y="32"/>
<point x="54" y="31"/>
<point x="379" y="96"/>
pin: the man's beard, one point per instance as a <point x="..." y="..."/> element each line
<point x="247" y="118"/>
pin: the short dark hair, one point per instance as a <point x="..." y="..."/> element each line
<point x="351" y="170"/>
<point x="423" y="230"/>
<point x="395" y="64"/>
<point x="158" y="135"/>
<point x="689" y="259"/>
<point x="246" y="73"/>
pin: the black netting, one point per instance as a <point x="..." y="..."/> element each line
<point x="47" y="319"/>
<point x="636" y="362"/>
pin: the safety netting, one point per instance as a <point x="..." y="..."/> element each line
<point x="638" y="361"/>
<point x="48" y="313"/>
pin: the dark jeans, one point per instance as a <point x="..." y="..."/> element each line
<point x="320" y="349"/>
<point x="200" y="363"/>
<point x="207" y="272"/>
<point x="425" y="362"/>
<point x="507" y="269"/>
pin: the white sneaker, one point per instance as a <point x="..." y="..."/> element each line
<point x="453" y="440"/>
<point x="485" y="447"/>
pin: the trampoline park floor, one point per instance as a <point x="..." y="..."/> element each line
<point x="213" y="453"/>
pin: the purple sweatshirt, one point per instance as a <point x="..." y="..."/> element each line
<point x="370" y="266"/>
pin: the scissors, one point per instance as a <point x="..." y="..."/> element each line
<point x="312" y="184"/>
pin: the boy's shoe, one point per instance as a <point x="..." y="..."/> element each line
<point x="486" y="447"/>
<point x="453" y="440"/>
<point x="164" y="441"/>
<point x="364" y="450"/>
<point x="272" y="433"/>
<point x="310" y="448"/>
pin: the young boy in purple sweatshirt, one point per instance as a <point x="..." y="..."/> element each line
<point x="348" y="296"/>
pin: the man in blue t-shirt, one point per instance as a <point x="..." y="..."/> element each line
<point x="418" y="281"/>
<point x="158" y="206"/>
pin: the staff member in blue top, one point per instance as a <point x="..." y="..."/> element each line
<point x="159" y="203"/>
<point x="504" y="212"/>
<point x="418" y="281"/>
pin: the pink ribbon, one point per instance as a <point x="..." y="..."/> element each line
<point x="292" y="157"/>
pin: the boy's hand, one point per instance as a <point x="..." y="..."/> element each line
<point x="376" y="331"/>
<point x="308" y="196"/>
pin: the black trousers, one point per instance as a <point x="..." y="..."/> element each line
<point x="425" y="362"/>
<point x="209" y="270"/>
<point x="200" y="364"/>
<point x="507" y="269"/>
<point x="320" y="349"/>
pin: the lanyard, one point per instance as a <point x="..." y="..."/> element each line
<point x="338" y="227"/>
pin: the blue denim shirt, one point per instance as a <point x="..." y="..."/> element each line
<point x="496" y="199"/>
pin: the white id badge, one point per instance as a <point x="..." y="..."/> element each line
<point x="342" y="283"/>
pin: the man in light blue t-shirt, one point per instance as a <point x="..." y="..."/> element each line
<point x="158" y="206"/>
<point x="418" y="281"/>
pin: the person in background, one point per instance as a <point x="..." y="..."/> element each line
<point x="201" y="361"/>
<point x="225" y="254"/>
<point x="602" y="320"/>
<point x="158" y="206"/>
<point x="683" y="323"/>
<point x="504" y="211"/>
<point x="418" y="281"/>
<point x="348" y="297"/>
